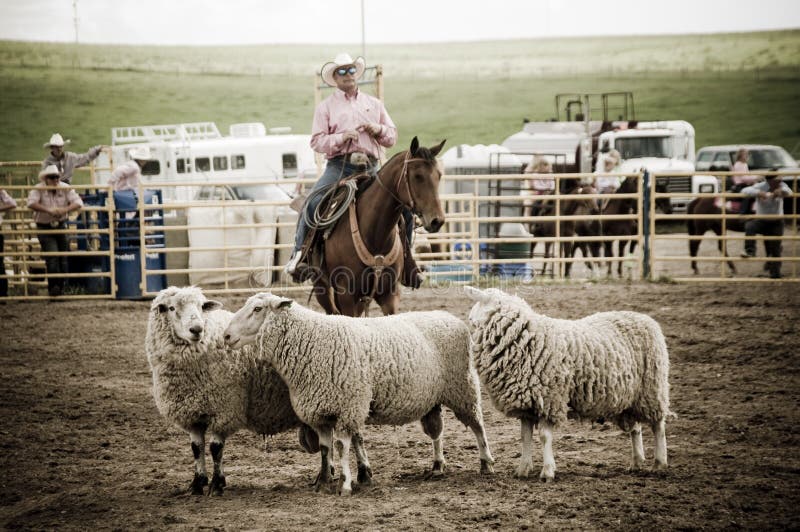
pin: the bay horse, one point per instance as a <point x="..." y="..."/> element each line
<point x="699" y="227"/>
<point x="363" y="255"/>
<point x="620" y="228"/>
<point x="566" y="228"/>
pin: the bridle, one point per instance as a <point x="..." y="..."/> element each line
<point x="403" y="179"/>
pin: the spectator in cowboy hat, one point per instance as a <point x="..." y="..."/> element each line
<point x="351" y="128"/>
<point x="67" y="161"/>
<point x="126" y="176"/>
<point x="52" y="200"/>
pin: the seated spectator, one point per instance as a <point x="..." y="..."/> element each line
<point x="743" y="180"/>
<point x="537" y="186"/>
<point x="607" y="163"/>
<point x="769" y="196"/>
<point x="52" y="200"/>
<point x="126" y="176"/>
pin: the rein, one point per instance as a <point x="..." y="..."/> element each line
<point x="403" y="178"/>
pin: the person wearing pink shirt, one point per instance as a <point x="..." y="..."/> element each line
<point x="351" y="128"/>
<point x="126" y="176"/>
<point x="743" y="180"/>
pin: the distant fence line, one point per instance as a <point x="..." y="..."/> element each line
<point x="234" y="246"/>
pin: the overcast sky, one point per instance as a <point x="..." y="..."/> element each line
<point x="386" y="21"/>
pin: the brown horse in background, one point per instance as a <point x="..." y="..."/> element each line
<point x="345" y="284"/>
<point x="620" y="228"/>
<point x="699" y="227"/>
<point x="567" y="228"/>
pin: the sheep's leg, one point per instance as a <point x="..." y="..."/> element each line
<point x="218" y="479"/>
<point x="473" y="418"/>
<point x="364" y="470"/>
<point x="526" y="460"/>
<point x="637" y="448"/>
<point x="342" y="443"/>
<point x="432" y="426"/>
<point x="660" y="435"/>
<point x="483" y="448"/>
<point x="324" y="477"/>
<point x="198" y="437"/>
<point x="548" y="460"/>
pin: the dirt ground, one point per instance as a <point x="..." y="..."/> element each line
<point x="83" y="446"/>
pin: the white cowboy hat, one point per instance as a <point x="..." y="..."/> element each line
<point x="341" y="60"/>
<point x="50" y="170"/>
<point x="56" y="140"/>
<point x="140" y="153"/>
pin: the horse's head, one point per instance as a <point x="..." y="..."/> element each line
<point x="581" y="205"/>
<point x="422" y="174"/>
<point x="663" y="204"/>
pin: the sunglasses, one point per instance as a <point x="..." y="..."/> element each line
<point x="346" y="70"/>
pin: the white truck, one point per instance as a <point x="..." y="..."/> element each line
<point x="572" y="142"/>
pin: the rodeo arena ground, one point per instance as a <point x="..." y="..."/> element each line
<point x="85" y="445"/>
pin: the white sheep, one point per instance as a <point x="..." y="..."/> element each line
<point x="202" y="385"/>
<point x="610" y="365"/>
<point x="345" y="372"/>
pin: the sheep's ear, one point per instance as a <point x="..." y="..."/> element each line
<point x="211" y="305"/>
<point x="476" y="295"/>
<point x="284" y="303"/>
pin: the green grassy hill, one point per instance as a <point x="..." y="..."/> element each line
<point x="733" y="88"/>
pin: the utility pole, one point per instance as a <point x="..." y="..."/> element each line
<point x="75" y="18"/>
<point x="363" y="36"/>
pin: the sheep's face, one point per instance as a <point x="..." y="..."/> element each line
<point x="184" y="310"/>
<point x="248" y="321"/>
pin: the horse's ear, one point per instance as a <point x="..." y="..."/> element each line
<point x="414" y="147"/>
<point x="436" y="149"/>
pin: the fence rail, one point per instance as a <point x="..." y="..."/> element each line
<point x="235" y="246"/>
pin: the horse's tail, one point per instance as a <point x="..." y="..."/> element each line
<point x="690" y="222"/>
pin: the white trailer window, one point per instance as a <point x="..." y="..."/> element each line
<point x="202" y="164"/>
<point x="237" y="162"/>
<point x="220" y="162"/>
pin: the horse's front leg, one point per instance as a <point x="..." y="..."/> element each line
<point x="723" y="249"/>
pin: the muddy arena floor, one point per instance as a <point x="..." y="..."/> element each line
<point x="83" y="446"/>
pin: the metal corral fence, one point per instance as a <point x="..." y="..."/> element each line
<point x="132" y="244"/>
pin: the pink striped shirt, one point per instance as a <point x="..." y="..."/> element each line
<point x="339" y="113"/>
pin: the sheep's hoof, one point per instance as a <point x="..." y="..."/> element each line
<point x="486" y="467"/>
<point x="437" y="471"/>
<point x="659" y="466"/>
<point x="548" y="474"/>
<point x="198" y="483"/>
<point x="341" y="490"/>
<point x="217" y="486"/>
<point x="524" y="470"/>
<point x="364" y="475"/>
<point x="324" y="479"/>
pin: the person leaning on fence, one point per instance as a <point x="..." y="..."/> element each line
<point x="769" y="196"/>
<point x="743" y="179"/>
<point x="537" y="186"/>
<point x="67" y="161"/>
<point x="350" y="128"/>
<point x="6" y="204"/>
<point x="126" y="176"/>
<point x="52" y="200"/>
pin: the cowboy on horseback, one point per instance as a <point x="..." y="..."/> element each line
<point x="350" y="128"/>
